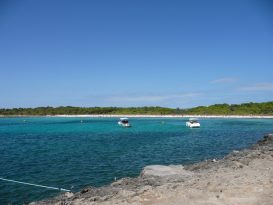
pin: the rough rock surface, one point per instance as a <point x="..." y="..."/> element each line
<point x="241" y="178"/>
<point x="165" y="171"/>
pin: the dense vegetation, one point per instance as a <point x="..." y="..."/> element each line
<point x="217" y="109"/>
<point x="234" y="109"/>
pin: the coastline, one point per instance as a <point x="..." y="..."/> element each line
<point x="242" y="177"/>
<point x="148" y="116"/>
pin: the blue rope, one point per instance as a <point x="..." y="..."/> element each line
<point x="37" y="185"/>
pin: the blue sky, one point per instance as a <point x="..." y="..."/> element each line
<point x="135" y="53"/>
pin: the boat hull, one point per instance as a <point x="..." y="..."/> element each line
<point x="124" y="124"/>
<point x="193" y="125"/>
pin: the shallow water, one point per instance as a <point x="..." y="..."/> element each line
<point x="68" y="153"/>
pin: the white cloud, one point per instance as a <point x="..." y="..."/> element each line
<point x="224" y="80"/>
<point x="258" y="87"/>
<point x="152" y="98"/>
<point x="137" y="98"/>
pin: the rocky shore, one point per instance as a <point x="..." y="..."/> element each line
<point x="241" y="178"/>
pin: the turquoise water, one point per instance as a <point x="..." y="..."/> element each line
<point x="68" y="153"/>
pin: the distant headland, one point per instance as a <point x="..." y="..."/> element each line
<point x="264" y="109"/>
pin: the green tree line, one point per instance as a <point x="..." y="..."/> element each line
<point x="265" y="108"/>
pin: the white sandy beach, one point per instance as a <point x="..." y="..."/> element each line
<point x="151" y="116"/>
<point x="172" y="116"/>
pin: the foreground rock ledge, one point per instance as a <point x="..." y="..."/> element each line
<point x="241" y="178"/>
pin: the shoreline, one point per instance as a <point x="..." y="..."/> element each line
<point x="147" y="116"/>
<point x="242" y="177"/>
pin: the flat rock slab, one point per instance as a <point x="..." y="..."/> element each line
<point x="165" y="171"/>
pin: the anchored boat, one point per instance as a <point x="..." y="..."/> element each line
<point x="193" y="123"/>
<point x="124" y="122"/>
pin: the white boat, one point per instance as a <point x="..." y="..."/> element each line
<point x="124" y="122"/>
<point x="193" y="123"/>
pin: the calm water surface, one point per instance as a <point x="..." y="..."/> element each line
<point x="68" y="153"/>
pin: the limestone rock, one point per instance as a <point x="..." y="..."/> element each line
<point x="165" y="171"/>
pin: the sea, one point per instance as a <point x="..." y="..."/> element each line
<point x="73" y="153"/>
